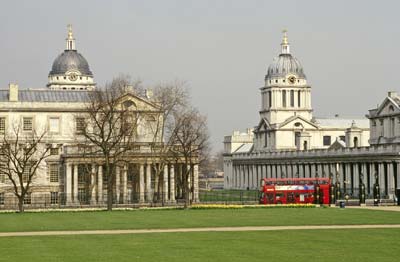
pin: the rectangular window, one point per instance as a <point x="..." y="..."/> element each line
<point x="28" y="199"/>
<point x="53" y="198"/>
<point x="54" y="151"/>
<point x="80" y="124"/>
<point x="27" y="123"/>
<point x="25" y="175"/>
<point x="2" y="124"/>
<point x="1" y="198"/>
<point x="2" y="174"/>
<point x="327" y="140"/>
<point x="54" y="173"/>
<point x="269" y="99"/>
<point x="54" y="124"/>
<point x="292" y="98"/>
<point x="298" y="98"/>
<point x="284" y="98"/>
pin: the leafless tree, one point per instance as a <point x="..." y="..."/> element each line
<point x="190" y="140"/>
<point x="109" y="128"/>
<point x="21" y="155"/>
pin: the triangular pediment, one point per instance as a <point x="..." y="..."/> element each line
<point x="138" y="102"/>
<point x="388" y="106"/>
<point x="263" y="125"/>
<point x="298" y="122"/>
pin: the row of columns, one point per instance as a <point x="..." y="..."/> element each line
<point x="146" y="187"/>
<point x="248" y="176"/>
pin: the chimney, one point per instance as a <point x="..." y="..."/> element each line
<point x="149" y="93"/>
<point x="13" y="92"/>
<point x="392" y="94"/>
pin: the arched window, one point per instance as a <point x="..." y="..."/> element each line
<point x="284" y="98"/>
<point x="269" y="99"/>
<point x="265" y="139"/>
<point x="305" y="145"/>
<point x="128" y="104"/>
<point x="355" y="141"/>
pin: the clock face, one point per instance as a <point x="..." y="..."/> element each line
<point x="73" y="77"/>
<point x="292" y="79"/>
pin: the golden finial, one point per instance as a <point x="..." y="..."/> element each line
<point x="285" y="38"/>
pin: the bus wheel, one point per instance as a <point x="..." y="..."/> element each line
<point x="279" y="202"/>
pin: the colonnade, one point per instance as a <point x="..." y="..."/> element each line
<point x="133" y="183"/>
<point x="348" y="174"/>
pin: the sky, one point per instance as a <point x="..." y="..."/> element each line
<point x="221" y="49"/>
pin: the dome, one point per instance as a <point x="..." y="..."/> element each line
<point x="283" y="65"/>
<point x="70" y="60"/>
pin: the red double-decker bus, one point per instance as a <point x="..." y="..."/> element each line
<point x="294" y="190"/>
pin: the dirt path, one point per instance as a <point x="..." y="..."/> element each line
<point x="178" y="230"/>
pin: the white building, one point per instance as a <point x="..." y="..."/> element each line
<point x="57" y="110"/>
<point x="290" y="142"/>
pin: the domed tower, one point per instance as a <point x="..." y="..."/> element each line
<point x="70" y="70"/>
<point x="286" y="92"/>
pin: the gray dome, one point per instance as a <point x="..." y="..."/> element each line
<point x="70" y="60"/>
<point x="285" y="64"/>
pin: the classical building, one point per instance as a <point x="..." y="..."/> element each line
<point x="57" y="111"/>
<point x="290" y="142"/>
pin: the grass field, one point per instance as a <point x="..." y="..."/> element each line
<point x="296" y="245"/>
<point x="192" y="218"/>
<point x="318" y="245"/>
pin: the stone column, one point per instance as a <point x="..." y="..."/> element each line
<point x="313" y="170"/>
<point x="148" y="183"/>
<point x="165" y="179"/>
<point x="371" y="175"/>
<point x="398" y="175"/>
<point x="172" y="183"/>
<point x="141" y="183"/>
<point x="117" y="183"/>
<point x="356" y="179"/>
<point x="255" y="177"/>
<point x="381" y="178"/>
<point x="269" y="171"/>
<point x="93" y="185"/>
<point x="301" y="171"/>
<point x="125" y="185"/>
<point x="100" y="185"/>
<point x="307" y="170"/>
<point x="279" y="171"/>
<point x="68" y="184"/>
<point x="390" y="180"/>
<point x="196" y="183"/>
<point x="75" y="193"/>
<point x="295" y="171"/>
<point x="273" y="171"/>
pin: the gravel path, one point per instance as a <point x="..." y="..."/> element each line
<point x="184" y="230"/>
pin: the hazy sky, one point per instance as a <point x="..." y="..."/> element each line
<point x="349" y="49"/>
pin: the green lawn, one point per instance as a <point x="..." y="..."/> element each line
<point x="317" y="245"/>
<point x="192" y="218"/>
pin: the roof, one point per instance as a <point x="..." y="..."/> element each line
<point x="70" y="60"/>
<point x="44" y="95"/>
<point x="244" y="148"/>
<point x="342" y="122"/>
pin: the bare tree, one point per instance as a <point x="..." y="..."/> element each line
<point x="171" y="98"/>
<point x="190" y="140"/>
<point x="21" y="155"/>
<point x="109" y="128"/>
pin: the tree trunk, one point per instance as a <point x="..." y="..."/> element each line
<point x="20" y="204"/>
<point x="109" y="197"/>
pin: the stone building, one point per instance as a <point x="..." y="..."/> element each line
<point x="290" y="142"/>
<point x="63" y="179"/>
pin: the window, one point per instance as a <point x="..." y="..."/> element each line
<point x="343" y="138"/>
<point x="269" y="99"/>
<point x="1" y="198"/>
<point x="54" y="125"/>
<point x="28" y="199"/>
<point x="2" y="174"/>
<point x="53" y="197"/>
<point x="374" y="122"/>
<point x="80" y="124"/>
<point x="327" y="140"/>
<point x="265" y="139"/>
<point x="27" y="123"/>
<point x="276" y="81"/>
<point x="284" y="98"/>
<point x="298" y="97"/>
<point x="2" y="124"/>
<point x="381" y="122"/>
<point x="54" y="173"/>
<point x="54" y="151"/>
<point x="292" y="98"/>
<point x="25" y="175"/>
<point x="355" y="142"/>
